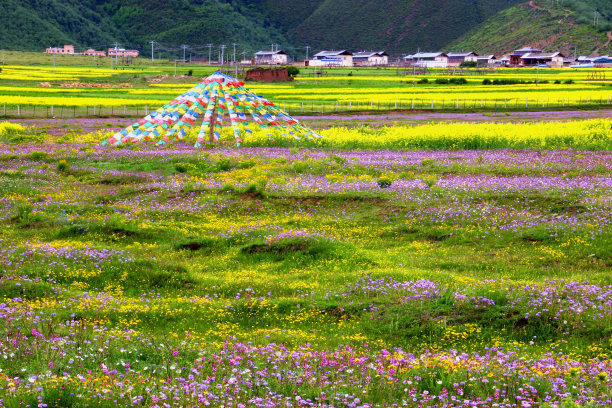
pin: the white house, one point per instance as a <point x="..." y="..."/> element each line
<point x="366" y="58"/>
<point x="271" y="57"/>
<point x="342" y="58"/>
<point x="428" y="59"/>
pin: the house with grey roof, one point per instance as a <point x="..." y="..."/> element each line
<point x="278" y="57"/>
<point x="551" y="59"/>
<point x="342" y="58"/>
<point x="371" y="58"/>
<point x="457" y="58"/>
<point x="427" y="59"/>
<point x="515" y="56"/>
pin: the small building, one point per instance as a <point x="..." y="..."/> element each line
<point x="485" y="60"/>
<point x="271" y="58"/>
<point x="551" y="59"/>
<point x="515" y="57"/>
<point x="428" y="59"/>
<point x="95" y="53"/>
<point x="122" y="52"/>
<point x="342" y="58"/>
<point x="268" y="74"/>
<point x="583" y="59"/>
<point x="365" y="58"/>
<point x="68" y="49"/>
<point x="457" y="58"/>
<point x="605" y="61"/>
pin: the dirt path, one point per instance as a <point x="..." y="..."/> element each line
<point x="609" y="34"/>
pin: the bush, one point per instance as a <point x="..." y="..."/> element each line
<point x="384" y="182"/>
<point x="468" y="64"/>
<point x="486" y="81"/>
<point x="441" y="81"/>
<point x="557" y="82"/>
<point x="293" y="71"/>
<point x="63" y="166"/>
<point x="190" y="72"/>
<point x="458" y="81"/>
<point x="184" y="167"/>
<point x="569" y="82"/>
<point x="38" y="155"/>
<point x="423" y="81"/>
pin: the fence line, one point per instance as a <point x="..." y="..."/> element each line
<point x="455" y="104"/>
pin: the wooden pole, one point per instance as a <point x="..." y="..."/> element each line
<point x="213" y="123"/>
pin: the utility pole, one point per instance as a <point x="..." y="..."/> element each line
<point x="116" y="53"/>
<point x="209" y="52"/>
<point x="222" y="53"/>
<point x="152" y="51"/>
<point x="53" y="61"/>
<point x="307" y="49"/>
<point x="184" y="48"/>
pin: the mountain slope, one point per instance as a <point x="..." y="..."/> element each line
<point x="537" y="24"/>
<point x="396" y="26"/>
<point x="37" y="24"/>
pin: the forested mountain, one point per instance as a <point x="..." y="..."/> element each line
<point x="397" y="26"/>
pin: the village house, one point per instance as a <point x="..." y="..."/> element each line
<point x="515" y="57"/>
<point x="278" y="57"/>
<point x="365" y="58"/>
<point x="122" y="52"/>
<point x="551" y="59"/>
<point x="342" y="58"/>
<point x="428" y="59"/>
<point x="605" y="61"/>
<point x="583" y="59"/>
<point x="455" y="59"/>
<point x="95" y="53"/>
<point x="68" y="50"/>
<point x="485" y="60"/>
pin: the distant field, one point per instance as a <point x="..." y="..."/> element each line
<point x="336" y="90"/>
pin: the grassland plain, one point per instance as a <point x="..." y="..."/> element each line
<point x="447" y="265"/>
<point x="336" y="90"/>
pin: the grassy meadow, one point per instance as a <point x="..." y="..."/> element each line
<point x="434" y="265"/>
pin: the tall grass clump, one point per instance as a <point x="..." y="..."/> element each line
<point x="9" y="132"/>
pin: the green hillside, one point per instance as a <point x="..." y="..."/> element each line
<point x="397" y="26"/>
<point x="541" y="25"/>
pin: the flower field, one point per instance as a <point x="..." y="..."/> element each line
<point x="338" y="89"/>
<point x="440" y="265"/>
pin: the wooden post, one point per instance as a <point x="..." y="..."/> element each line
<point x="213" y="123"/>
